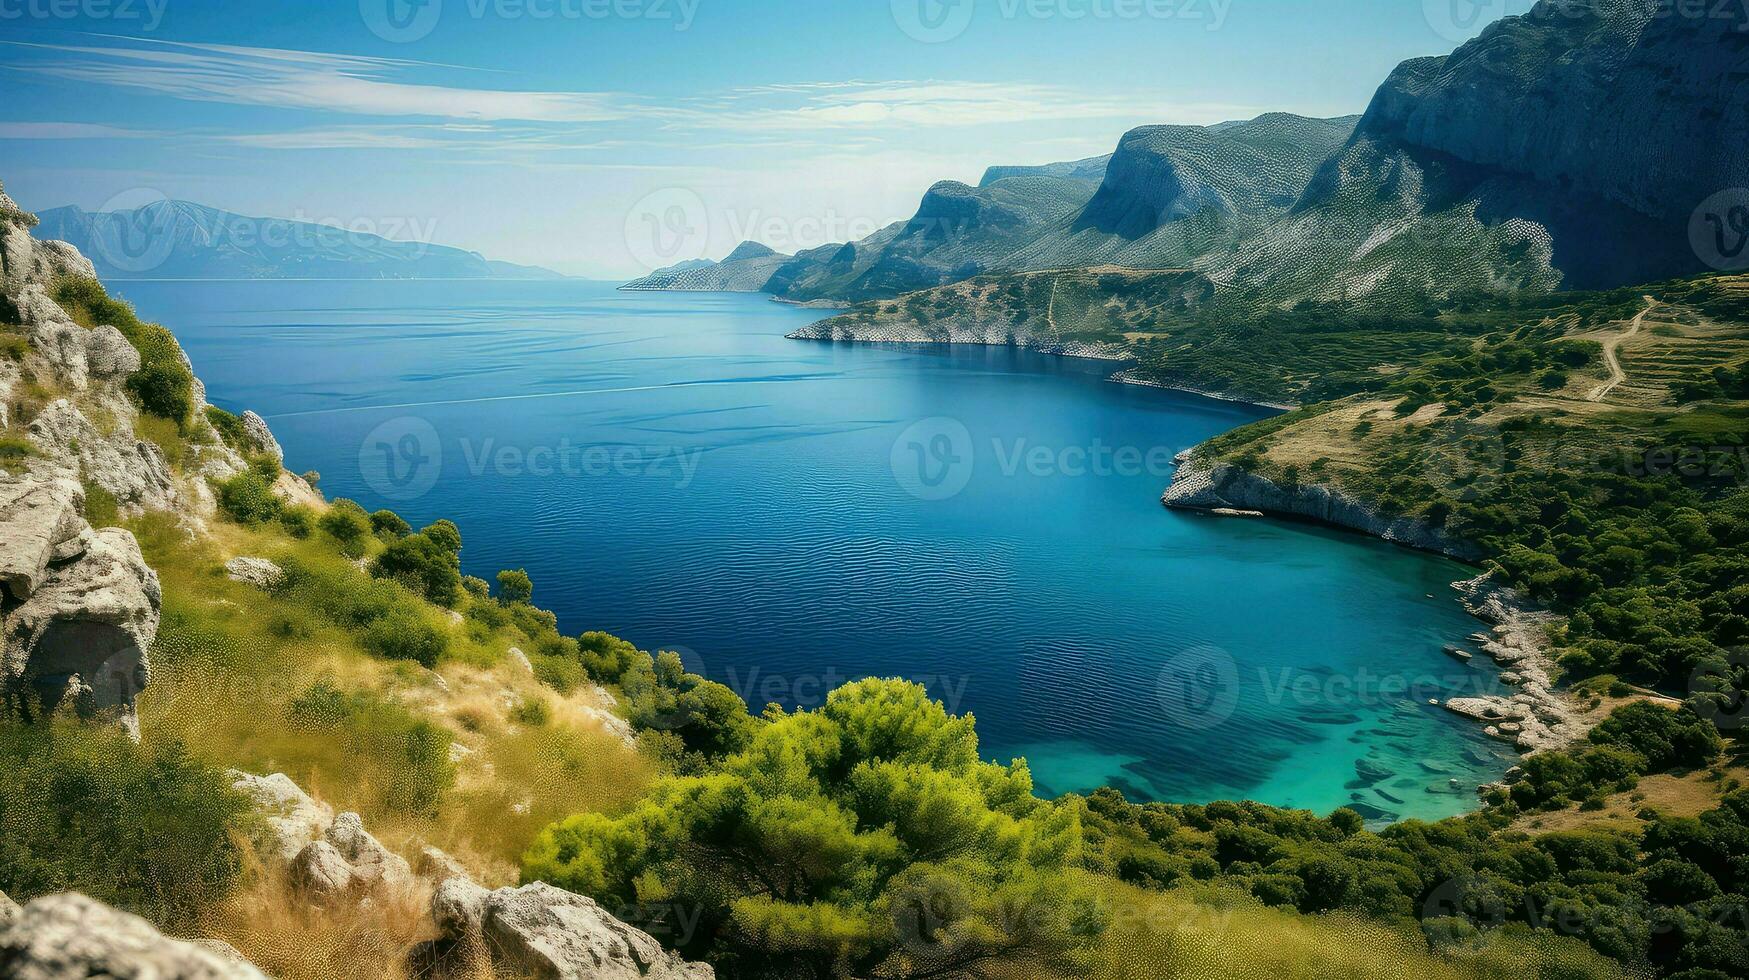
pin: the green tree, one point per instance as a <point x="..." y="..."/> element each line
<point x="514" y="586"/>
<point x="864" y="838"/>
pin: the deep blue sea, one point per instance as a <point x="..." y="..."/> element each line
<point x="792" y="514"/>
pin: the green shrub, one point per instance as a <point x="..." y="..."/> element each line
<point x="562" y="674"/>
<point x="15" y="448"/>
<point x="388" y="525"/>
<point x="475" y="586"/>
<point x="298" y="520"/>
<point x="345" y="521"/>
<point x="514" y="586"/>
<point x="229" y="427"/>
<point x="533" y="712"/>
<point x="13" y="347"/>
<point x="143" y="827"/>
<point x="248" y="499"/>
<point x="404" y="635"/>
<point x="163" y="385"/>
<point x="422" y="562"/>
<point x="839" y="832"/>
<point x="101" y="509"/>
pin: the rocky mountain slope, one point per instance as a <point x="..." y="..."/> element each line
<point x="184" y="240"/>
<point x="1567" y="148"/>
<point x="1167" y="195"/>
<point x="746" y="269"/>
<point x="102" y="421"/>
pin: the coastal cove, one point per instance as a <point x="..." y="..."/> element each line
<point x="790" y="515"/>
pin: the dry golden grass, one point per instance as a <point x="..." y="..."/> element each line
<point x="1214" y="933"/>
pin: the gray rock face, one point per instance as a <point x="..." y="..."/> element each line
<point x="40" y="522"/>
<point x="541" y="931"/>
<point x="108" y="355"/>
<point x="86" y="629"/>
<point x="1200" y="484"/>
<point x="373" y="865"/>
<point x="255" y="427"/>
<point x="72" y="937"/>
<point x="258" y="572"/>
<point x="320" y="870"/>
<point x="292" y="818"/>
<point x="133" y="470"/>
<point x="8" y="911"/>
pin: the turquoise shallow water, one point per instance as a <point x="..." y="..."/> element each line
<point x="792" y="514"/>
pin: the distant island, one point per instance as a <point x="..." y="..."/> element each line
<point x="184" y="240"/>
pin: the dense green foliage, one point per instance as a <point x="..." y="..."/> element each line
<point x="429" y="562"/>
<point x="164" y="385"/>
<point x="83" y="807"/>
<point x="864" y="838"/>
<point x="515" y="586"/>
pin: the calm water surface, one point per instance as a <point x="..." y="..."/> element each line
<point x="791" y="514"/>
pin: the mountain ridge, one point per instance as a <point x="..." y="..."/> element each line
<point x="175" y="239"/>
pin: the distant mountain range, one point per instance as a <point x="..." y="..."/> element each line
<point x="1571" y="147"/>
<point x="184" y="240"/>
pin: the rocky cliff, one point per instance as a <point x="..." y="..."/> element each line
<point x="1203" y="484"/>
<point x="1566" y="148"/>
<point x="78" y="606"/>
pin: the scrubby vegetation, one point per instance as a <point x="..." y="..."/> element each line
<point x="164" y="385"/>
<point x="147" y="827"/>
<point x="865" y="836"/>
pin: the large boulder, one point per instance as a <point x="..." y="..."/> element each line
<point x="85" y="630"/>
<point x="260" y="436"/>
<point x="290" y="817"/>
<point x="542" y="931"/>
<point x="40" y="523"/>
<point x="72" y="937"/>
<point x="321" y="871"/>
<point x="108" y="354"/>
<point x="8" y="911"/>
<point x="373" y="865"/>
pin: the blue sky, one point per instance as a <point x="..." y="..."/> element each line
<point x="600" y="137"/>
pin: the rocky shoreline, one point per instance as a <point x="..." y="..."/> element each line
<point x="1537" y="717"/>
<point x="973" y="336"/>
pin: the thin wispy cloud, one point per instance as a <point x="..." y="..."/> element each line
<point x="68" y="131"/>
<point x="303" y="80"/>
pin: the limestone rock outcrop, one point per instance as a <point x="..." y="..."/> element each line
<point x="290" y="817"/>
<point x="1203" y="484"/>
<point x="541" y="931"/>
<point x="73" y="937"/>
<point x="258" y="572"/>
<point x="80" y="628"/>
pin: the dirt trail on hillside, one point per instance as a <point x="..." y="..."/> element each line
<point x="1613" y="360"/>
